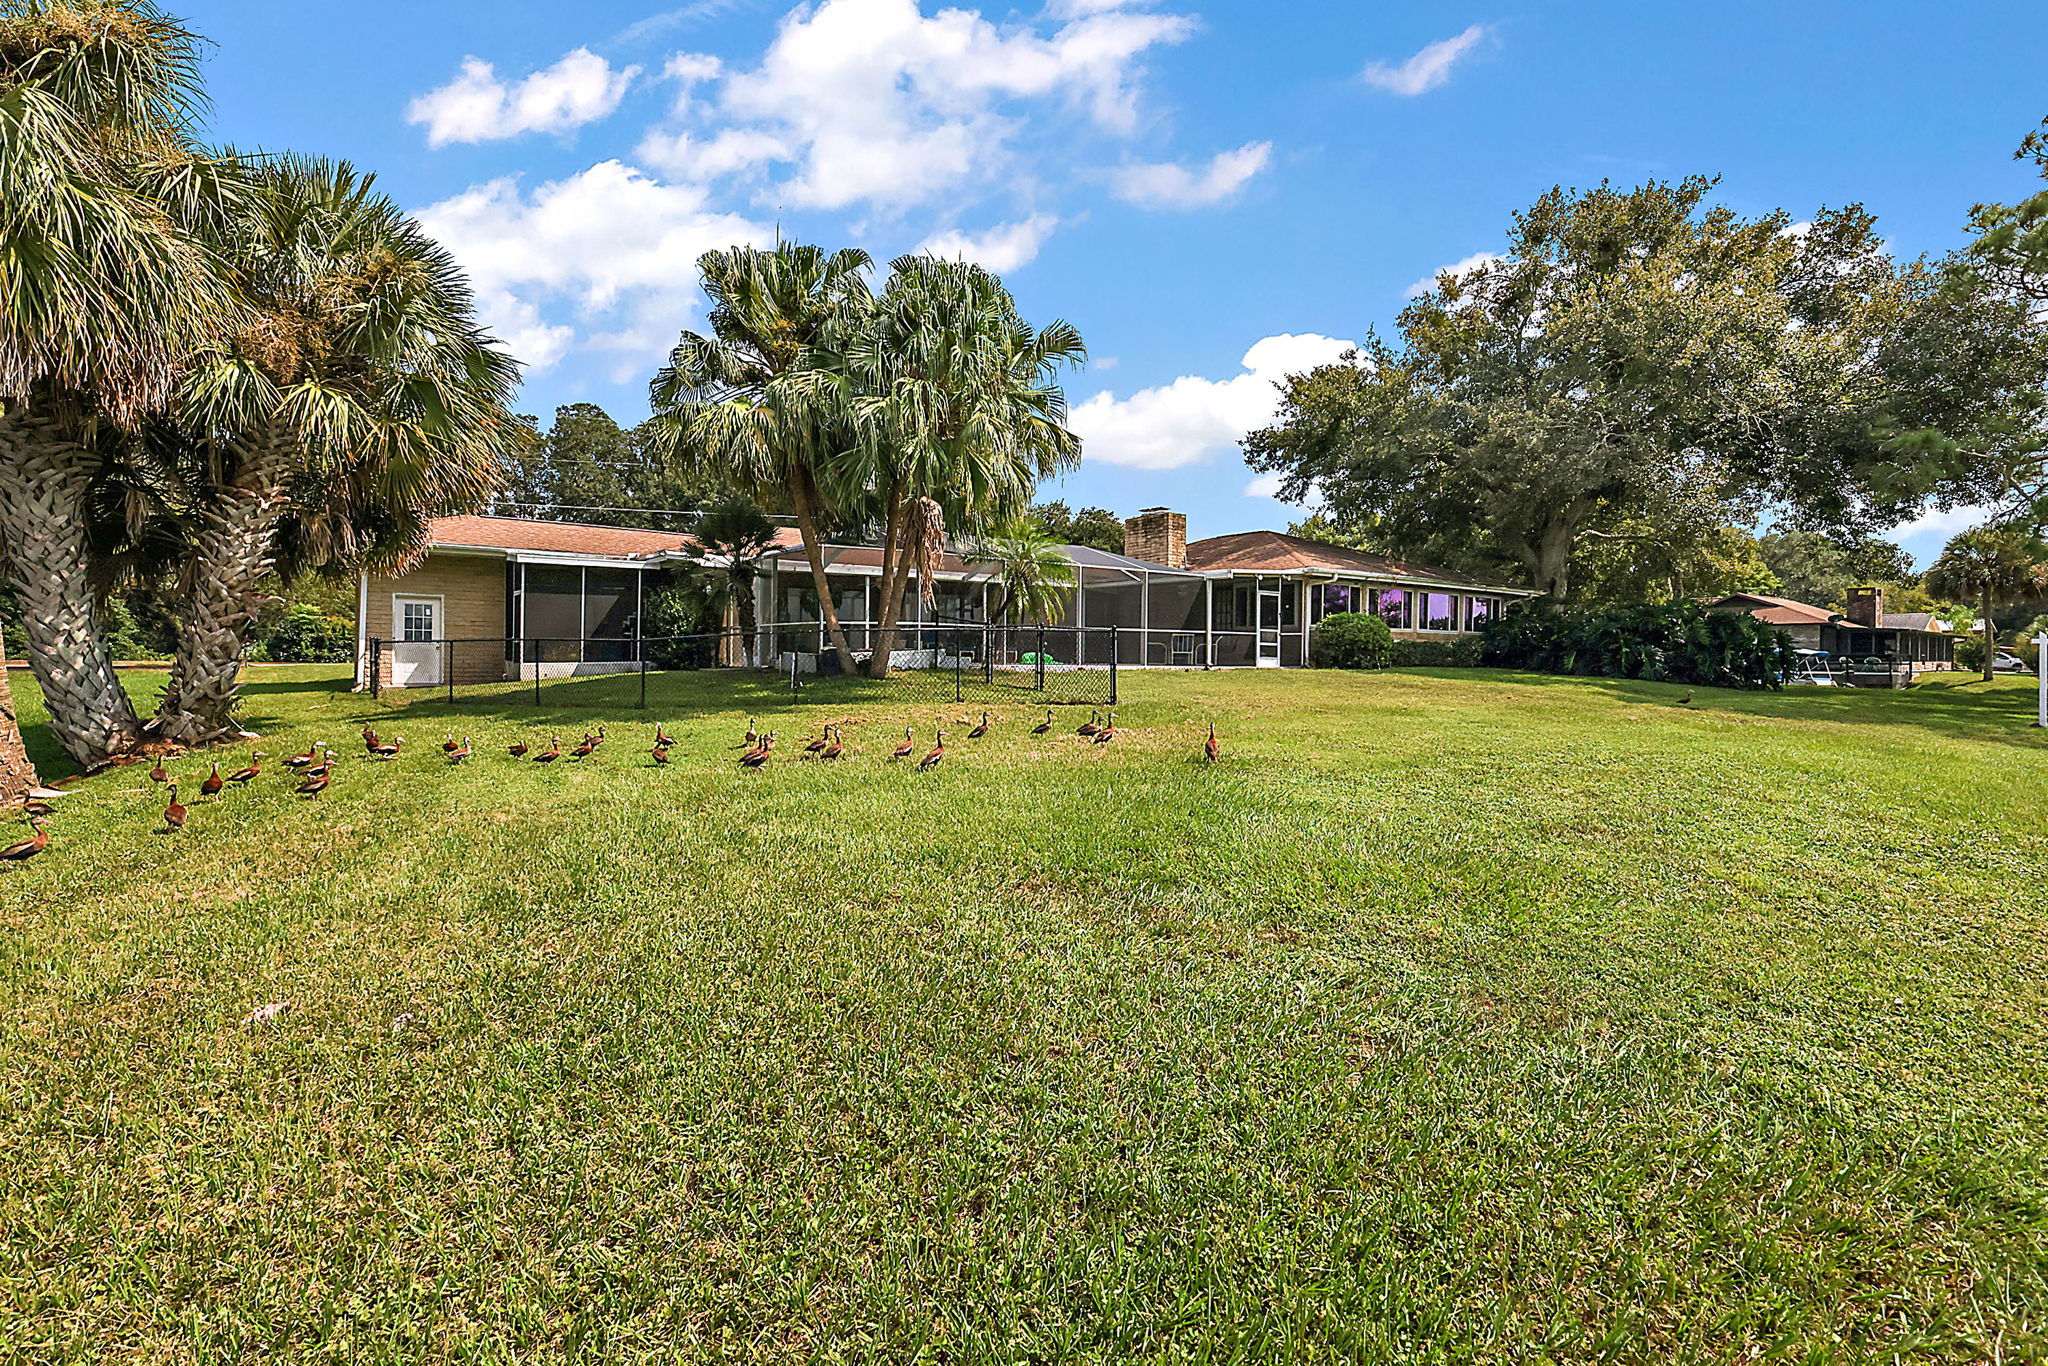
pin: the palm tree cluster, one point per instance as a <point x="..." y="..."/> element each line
<point x="928" y="405"/>
<point x="214" y="367"/>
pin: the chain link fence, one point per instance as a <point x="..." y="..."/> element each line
<point x="955" y="662"/>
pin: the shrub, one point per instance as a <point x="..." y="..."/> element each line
<point x="300" y="633"/>
<point x="1437" y="654"/>
<point x="1350" y="640"/>
<point x="672" y="612"/>
<point x="1970" y="652"/>
<point x="1678" y="642"/>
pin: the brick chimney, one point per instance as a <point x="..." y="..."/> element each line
<point x="1158" y="535"/>
<point x="1866" y="606"/>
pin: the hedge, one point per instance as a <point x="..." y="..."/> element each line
<point x="1678" y="642"/>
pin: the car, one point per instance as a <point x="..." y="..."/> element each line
<point x="2006" y="662"/>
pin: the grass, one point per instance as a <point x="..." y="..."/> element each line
<point x="1453" y="1016"/>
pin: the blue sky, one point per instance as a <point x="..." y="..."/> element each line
<point x="1213" y="192"/>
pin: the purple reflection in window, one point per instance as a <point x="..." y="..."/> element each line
<point x="1439" y="612"/>
<point x="1393" y="607"/>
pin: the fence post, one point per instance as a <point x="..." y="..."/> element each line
<point x="988" y="653"/>
<point x="448" y="668"/>
<point x="533" y="647"/>
<point x="1040" y="657"/>
<point x="959" y="658"/>
<point x="1115" y="652"/>
<point x="376" y="667"/>
<point x="643" y="675"/>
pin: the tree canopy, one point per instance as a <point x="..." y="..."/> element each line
<point x="587" y="468"/>
<point x="1640" y="365"/>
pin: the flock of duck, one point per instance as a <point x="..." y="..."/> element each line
<point x="314" y="769"/>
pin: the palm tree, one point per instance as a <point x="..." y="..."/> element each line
<point x="17" y="770"/>
<point x="957" y="415"/>
<point x="760" y="403"/>
<point x="735" y="533"/>
<point x="105" y="290"/>
<point x="360" y="372"/>
<point x="1036" y="575"/>
<point x="1989" y="565"/>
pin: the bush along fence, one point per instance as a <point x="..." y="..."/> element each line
<point x="1675" y="643"/>
<point x="1052" y="665"/>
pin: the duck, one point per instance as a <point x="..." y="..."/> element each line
<point x="907" y="748"/>
<point x="449" y="746"/>
<point x="175" y="813"/>
<point x="1209" y="747"/>
<point x="659" y="754"/>
<point x="316" y="781"/>
<point x="981" y="729"/>
<point x="242" y="777"/>
<point x="1044" y="727"/>
<point x="1108" y="731"/>
<point x="213" y="783"/>
<point x="390" y="751"/>
<point x="157" y="772"/>
<point x="517" y="749"/>
<point x="460" y="752"/>
<point x="551" y="753"/>
<point x="1091" y="725"/>
<point x="304" y="760"/>
<point x="23" y="850"/>
<point x="836" y="748"/>
<point x="756" y="757"/>
<point x="662" y="739"/>
<point x="934" y="754"/>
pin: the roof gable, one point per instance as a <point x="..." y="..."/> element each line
<point x="1279" y="552"/>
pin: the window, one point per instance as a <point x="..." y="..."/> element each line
<point x="1338" y="597"/>
<point x="1478" y="612"/>
<point x="417" y="621"/>
<point x="1392" y="606"/>
<point x="1439" y="612"/>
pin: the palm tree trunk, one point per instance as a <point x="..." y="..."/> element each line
<point x="230" y="556"/>
<point x="44" y="472"/>
<point x="17" y="770"/>
<point x="1990" y="636"/>
<point x="895" y="578"/>
<point x="800" y="495"/>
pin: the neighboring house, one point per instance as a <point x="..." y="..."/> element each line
<point x="1915" y="640"/>
<point x="499" y="597"/>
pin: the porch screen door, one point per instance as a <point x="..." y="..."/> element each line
<point x="1269" y="624"/>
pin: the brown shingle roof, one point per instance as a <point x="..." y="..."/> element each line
<point x="1276" y="551"/>
<point x="567" y="538"/>
<point x="1777" y="611"/>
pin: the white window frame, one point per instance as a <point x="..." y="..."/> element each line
<point x="440" y="601"/>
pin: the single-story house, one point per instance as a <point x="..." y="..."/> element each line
<point x="1915" y="641"/>
<point x="499" y="597"/>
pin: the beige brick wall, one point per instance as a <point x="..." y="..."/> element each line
<point x="472" y="593"/>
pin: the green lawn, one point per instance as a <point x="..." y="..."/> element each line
<point x="1453" y="1016"/>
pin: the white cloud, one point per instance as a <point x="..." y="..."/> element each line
<point x="1102" y="362"/>
<point x="1002" y="248"/>
<point x="1167" y="186"/>
<point x="477" y="107"/>
<point x="612" y="247"/>
<point x="1427" y="69"/>
<point x="1472" y="262"/>
<point x="1942" y="522"/>
<point x="1265" y="486"/>
<point x="873" y="102"/>
<point x="1193" y="418"/>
